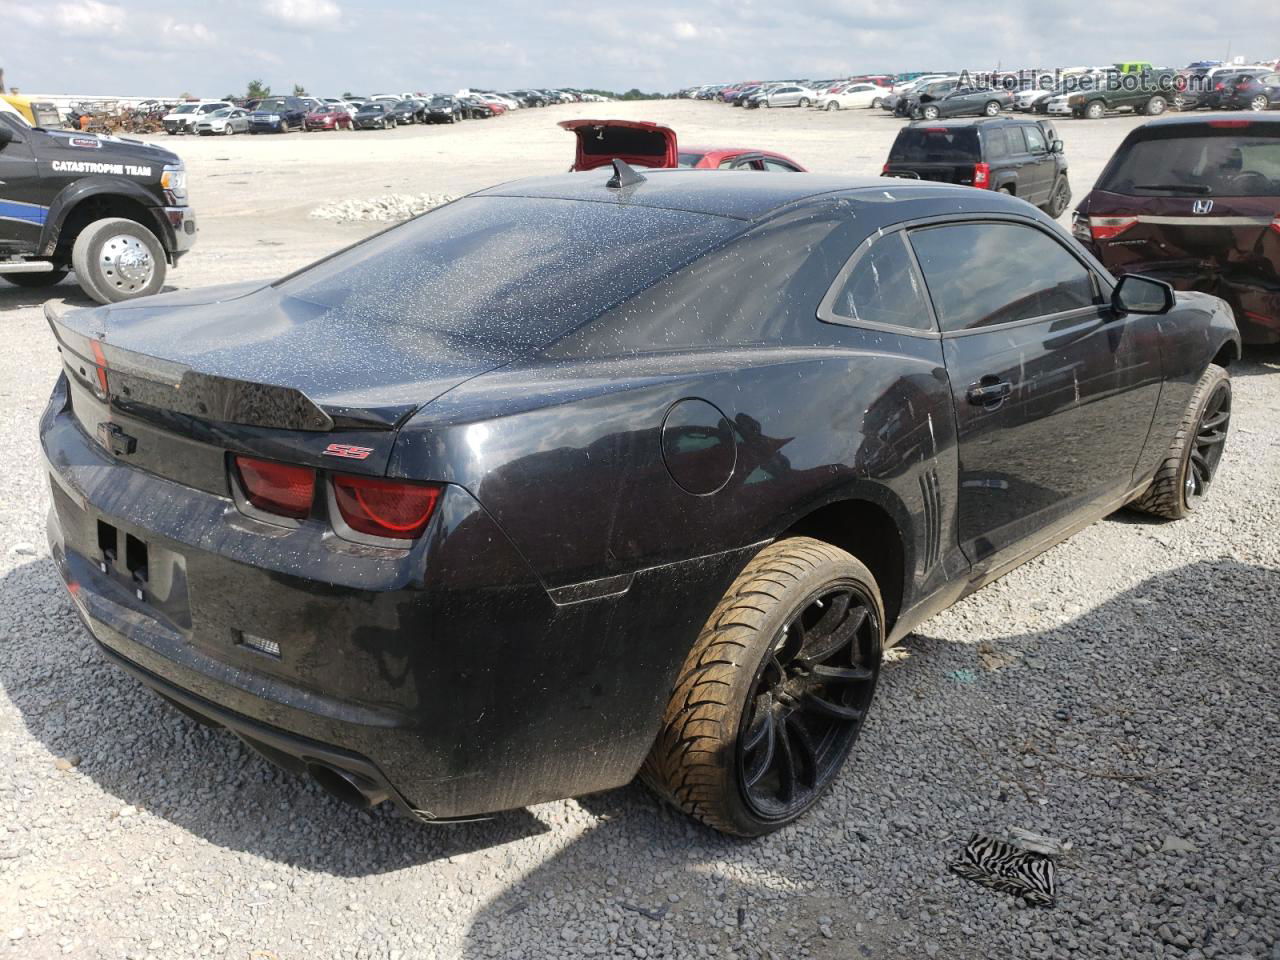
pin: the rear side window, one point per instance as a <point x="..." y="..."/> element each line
<point x="982" y="274"/>
<point x="881" y="288"/>
<point x="936" y="145"/>
<point x="1017" y="143"/>
<point x="997" y="144"/>
<point x="1229" y="161"/>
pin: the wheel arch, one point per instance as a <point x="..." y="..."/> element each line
<point x="868" y="530"/>
<point x="92" y="199"/>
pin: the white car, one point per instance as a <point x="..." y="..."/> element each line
<point x="339" y="102"/>
<point x="1058" y="105"/>
<point x="501" y="100"/>
<point x="223" y="122"/>
<point x="851" y="97"/>
<point x="185" y="116"/>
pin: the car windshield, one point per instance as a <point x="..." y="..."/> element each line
<point x="224" y="112"/>
<point x="550" y="265"/>
<point x="406" y="105"/>
<point x="935" y="145"/>
<point x="186" y="108"/>
<point x="1232" y="161"/>
<point x="272" y="104"/>
<point x="377" y="106"/>
<point x="440" y="101"/>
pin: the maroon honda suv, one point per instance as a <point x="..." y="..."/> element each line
<point x="1195" y="201"/>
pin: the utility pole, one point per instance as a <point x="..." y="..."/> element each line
<point x="1" y="79"/>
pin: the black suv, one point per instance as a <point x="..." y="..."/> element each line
<point x="936" y="90"/>
<point x="1012" y="155"/>
<point x="280" y="114"/>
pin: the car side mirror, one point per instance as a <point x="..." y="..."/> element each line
<point x="6" y="137"/>
<point x="1057" y="146"/>
<point x="1139" y="294"/>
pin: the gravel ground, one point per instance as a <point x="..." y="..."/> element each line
<point x="1118" y="693"/>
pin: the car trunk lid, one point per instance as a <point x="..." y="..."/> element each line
<point x="942" y="154"/>
<point x="188" y="377"/>
<point x="636" y="142"/>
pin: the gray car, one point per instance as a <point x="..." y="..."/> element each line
<point x="223" y="122"/>
<point x="789" y="95"/>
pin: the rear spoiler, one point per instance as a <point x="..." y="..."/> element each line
<point x="138" y="383"/>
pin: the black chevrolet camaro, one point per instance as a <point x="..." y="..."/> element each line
<point x="651" y="493"/>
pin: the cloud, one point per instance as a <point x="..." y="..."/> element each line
<point x="684" y="29"/>
<point x="90" y="18"/>
<point x="308" y="14"/>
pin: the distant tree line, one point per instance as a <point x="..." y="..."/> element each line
<point x="632" y="94"/>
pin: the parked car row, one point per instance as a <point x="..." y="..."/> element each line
<point x="380" y="111"/>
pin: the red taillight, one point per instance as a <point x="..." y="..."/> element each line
<point x="1108" y="228"/>
<point x="1231" y="124"/>
<point x="384" y="508"/>
<point x="884" y="170"/>
<point x="982" y="175"/>
<point x="279" y="488"/>
<point x="1219" y="85"/>
<point x="1275" y="224"/>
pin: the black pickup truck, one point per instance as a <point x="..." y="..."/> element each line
<point x="114" y="211"/>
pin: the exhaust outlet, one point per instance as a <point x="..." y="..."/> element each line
<point x="350" y="788"/>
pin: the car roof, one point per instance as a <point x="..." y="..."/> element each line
<point x="723" y="193"/>
<point x="1211" y="119"/>
<point x="972" y="122"/>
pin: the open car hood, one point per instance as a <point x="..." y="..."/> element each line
<point x="638" y="142"/>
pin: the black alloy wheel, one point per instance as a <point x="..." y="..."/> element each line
<point x="1207" y="444"/>
<point x="1183" y="480"/>
<point x="773" y="692"/>
<point x="808" y="702"/>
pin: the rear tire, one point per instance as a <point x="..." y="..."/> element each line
<point x="1188" y="471"/>
<point x="1156" y="106"/>
<point x="117" y="259"/>
<point x="772" y="696"/>
<point x="1259" y="103"/>
<point x="35" y="281"/>
<point x="877" y="103"/>
<point x="804" y="102"/>
<point x="1059" y="200"/>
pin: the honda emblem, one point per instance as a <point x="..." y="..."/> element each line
<point x="1202" y="206"/>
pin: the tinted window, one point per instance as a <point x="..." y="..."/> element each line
<point x="549" y="265"/>
<point x="1228" y="161"/>
<point x="778" y="165"/>
<point x="997" y="144"/>
<point x="981" y="274"/>
<point x="935" y="145"/>
<point x="1017" y="143"/>
<point x="882" y="288"/>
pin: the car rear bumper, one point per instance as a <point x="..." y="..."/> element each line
<point x="447" y="678"/>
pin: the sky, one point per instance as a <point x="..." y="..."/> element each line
<point x="215" y="47"/>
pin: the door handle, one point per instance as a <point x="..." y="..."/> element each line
<point x="989" y="391"/>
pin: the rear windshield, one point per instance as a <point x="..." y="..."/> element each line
<point x="936" y="145"/>
<point x="1234" y="161"/>
<point x="690" y="159"/>
<point x="508" y="271"/>
<point x="613" y="141"/>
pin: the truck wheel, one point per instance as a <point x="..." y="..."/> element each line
<point x="992" y="108"/>
<point x="117" y="259"/>
<point x="773" y="694"/>
<point x="1186" y="474"/>
<point x="1059" y="200"/>
<point x="1155" y="106"/>
<point x="1096" y="110"/>
<point x="35" y="281"/>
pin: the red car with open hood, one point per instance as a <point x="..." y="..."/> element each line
<point x="645" y="144"/>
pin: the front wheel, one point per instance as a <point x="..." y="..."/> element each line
<point x="1186" y="474"/>
<point x="832" y="105"/>
<point x="929" y="113"/>
<point x="1155" y="106"/>
<point x="117" y="259"/>
<point x="773" y="695"/>
<point x="992" y="108"/>
<point x="1095" y="110"/>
